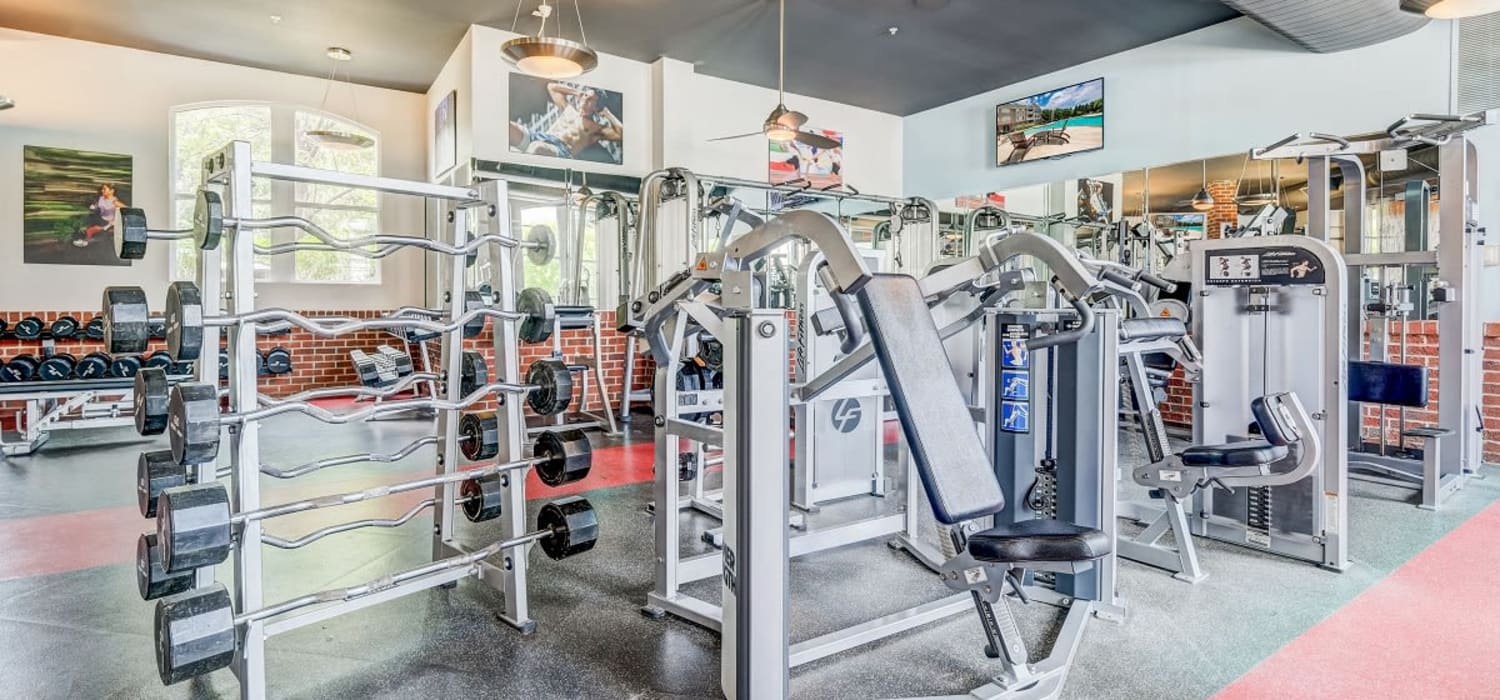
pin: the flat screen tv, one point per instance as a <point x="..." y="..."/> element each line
<point x="1051" y="124"/>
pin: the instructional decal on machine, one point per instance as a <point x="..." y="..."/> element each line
<point x="1013" y="351"/>
<point x="1282" y="266"/>
<point x="1015" y="385"/>
<point x="1015" y="417"/>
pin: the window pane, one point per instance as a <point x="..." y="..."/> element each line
<point x="335" y="266"/>
<point x="196" y="133"/>
<point x="549" y="276"/>
<point x="315" y="154"/>
<point x="185" y="253"/>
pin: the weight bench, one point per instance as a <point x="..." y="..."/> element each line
<point x="1286" y="432"/>
<point x="961" y="485"/>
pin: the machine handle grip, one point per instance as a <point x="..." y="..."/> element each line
<point x="1164" y="285"/>
<point x="1118" y="278"/>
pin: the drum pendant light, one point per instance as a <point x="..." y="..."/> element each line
<point x="550" y="57"/>
<point x="1450" y="9"/>
<point x="1203" y="201"/>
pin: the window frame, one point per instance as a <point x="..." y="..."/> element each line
<point x="282" y="268"/>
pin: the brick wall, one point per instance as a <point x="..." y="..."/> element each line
<point x="1224" y="211"/>
<point x="1421" y="349"/>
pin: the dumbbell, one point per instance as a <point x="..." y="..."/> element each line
<point x="193" y="417"/>
<point x="20" y="368"/>
<point x="29" y="328"/>
<point x="127" y="320"/>
<point x="94" y="365"/>
<point x="278" y="360"/>
<point x="64" y="327"/>
<point x="197" y="630"/>
<point x="161" y="359"/>
<point x="125" y="366"/>
<point x="57" y="368"/>
<point x="94" y="329"/>
<point x="260" y="363"/>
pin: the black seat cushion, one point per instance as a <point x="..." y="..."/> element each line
<point x="1254" y="453"/>
<point x="1428" y="432"/>
<point x="1039" y="540"/>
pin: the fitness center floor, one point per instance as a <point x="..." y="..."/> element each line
<point x="72" y="624"/>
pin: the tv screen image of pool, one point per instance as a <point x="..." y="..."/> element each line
<point x="1055" y="123"/>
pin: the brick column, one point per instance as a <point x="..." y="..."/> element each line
<point x="1225" y="211"/>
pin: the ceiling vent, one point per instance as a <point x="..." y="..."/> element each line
<point x="1327" y="26"/>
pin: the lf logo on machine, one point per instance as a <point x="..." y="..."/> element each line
<point x="846" y="415"/>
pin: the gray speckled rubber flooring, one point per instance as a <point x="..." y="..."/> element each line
<point x="86" y="634"/>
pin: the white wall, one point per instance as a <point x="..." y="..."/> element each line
<point x="456" y="76"/>
<point x="80" y="95"/>
<point x="1222" y="89"/>
<point x="671" y="112"/>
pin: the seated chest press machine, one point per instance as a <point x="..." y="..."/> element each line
<point x="956" y="473"/>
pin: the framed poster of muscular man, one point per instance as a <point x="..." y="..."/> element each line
<point x="559" y="119"/>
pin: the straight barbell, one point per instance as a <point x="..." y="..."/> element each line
<point x="197" y="630"/>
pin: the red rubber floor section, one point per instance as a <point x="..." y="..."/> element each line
<point x="62" y="542"/>
<point x="1429" y="630"/>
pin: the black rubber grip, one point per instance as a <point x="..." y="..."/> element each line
<point x="1159" y="283"/>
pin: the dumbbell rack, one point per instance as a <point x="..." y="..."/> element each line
<point x="230" y="172"/>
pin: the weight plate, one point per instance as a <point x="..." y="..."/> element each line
<point x="572" y="524"/>
<point x="64" y="327"/>
<point x="195" y="633"/>
<point x="94" y="330"/>
<point x="126" y="320"/>
<point x="21" y="368"/>
<point x="161" y="359"/>
<point x="279" y="360"/>
<point x="543" y="245"/>
<point x="125" y="366"/>
<point x="482" y="497"/>
<point x="193" y="423"/>
<point x="57" y="368"/>
<point x="540" y="311"/>
<point x="474" y="301"/>
<point x="208" y="219"/>
<point x="184" y="320"/>
<point x="192" y="526"/>
<point x="552" y="386"/>
<point x="94" y="365"/>
<point x="29" y="328"/>
<point x="474" y="373"/>
<point x="152" y="401"/>
<point x="479" y="435"/>
<point x="563" y="457"/>
<point x="151" y="578"/>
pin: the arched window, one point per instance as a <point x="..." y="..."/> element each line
<point x="280" y="133"/>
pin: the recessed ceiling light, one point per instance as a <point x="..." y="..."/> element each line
<point x="893" y="30"/>
<point x="275" y="19"/>
<point x="340" y="54"/>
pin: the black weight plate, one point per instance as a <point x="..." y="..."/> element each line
<point x="193" y="423"/>
<point x="540" y="311"/>
<point x="93" y="366"/>
<point x="157" y="327"/>
<point x="208" y="219"/>
<point x="563" y="457"/>
<point x="552" y="386"/>
<point x="152" y="401"/>
<point x="64" y="327"/>
<point x="151" y="579"/>
<point x="223" y="364"/>
<point x="126" y="326"/>
<point x="195" y="633"/>
<point x="474" y="373"/>
<point x="130" y="233"/>
<point x="94" y="329"/>
<point x="192" y="526"/>
<point x="474" y="301"/>
<point x="572" y="524"/>
<point x="125" y="366"/>
<point x="184" y="320"/>
<point x="29" y="328"/>
<point x="482" y="497"/>
<point x="479" y="435"/>
<point x="161" y="359"/>
<point x="260" y="364"/>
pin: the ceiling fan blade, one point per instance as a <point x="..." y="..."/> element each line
<point x="741" y="136"/>
<point x="817" y="140"/>
<point x="792" y="119"/>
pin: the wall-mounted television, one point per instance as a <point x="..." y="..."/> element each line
<point x="1051" y="124"/>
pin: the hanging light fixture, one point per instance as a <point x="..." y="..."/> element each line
<point x="339" y="139"/>
<point x="1251" y="199"/>
<point x="1450" y="9"/>
<point x="551" y="57"/>
<point x="6" y="103"/>
<point x="1203" y="201"/>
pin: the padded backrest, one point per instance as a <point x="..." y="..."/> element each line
<point x="1151" y="328"/>
<point x="955" y="470"/>
<point x="1275" y="420"/>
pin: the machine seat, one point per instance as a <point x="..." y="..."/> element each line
<point x="1039" y="541"/>
<point x="1428" y="432"/>
<point x="1253" y="453"/>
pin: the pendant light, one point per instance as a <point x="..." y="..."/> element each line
<point x="550" y="57"/>
<point x="1450" y="9"/>
<point x="1251" y="199"/>
<point x="340" y="139"/>
<point x="1203" y="201"/>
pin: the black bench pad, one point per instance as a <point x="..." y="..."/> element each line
<point x="1254" y="453"/>
<point x="1428" y="432"/>
<point x="1040" y="541"/>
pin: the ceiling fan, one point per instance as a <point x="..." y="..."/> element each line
<point x="784" y="125"/>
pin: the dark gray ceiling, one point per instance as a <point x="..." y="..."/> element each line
<point x="836" y="49"/>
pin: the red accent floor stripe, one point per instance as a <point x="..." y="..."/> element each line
<point x="1429" y="630"/>
<point x="62" y="542"/>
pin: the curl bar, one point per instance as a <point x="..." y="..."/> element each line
<point x="127" y="320"/>
<point x="195" y="528"/>
<point x="197" y="631"/>
<point x="132" y="234"/>
<point x="193" y="418"/>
